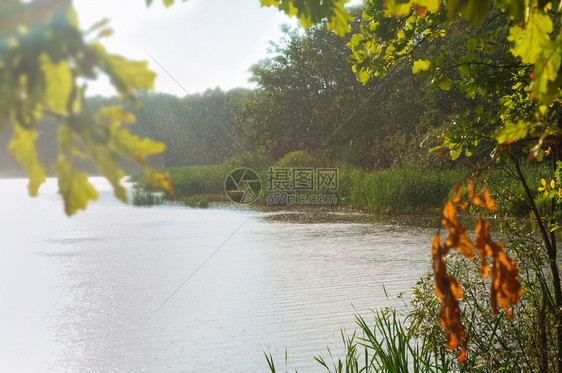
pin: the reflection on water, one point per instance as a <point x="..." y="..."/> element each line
<point x="80" y="294"/>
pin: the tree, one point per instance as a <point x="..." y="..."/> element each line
<point x="305" y="91"/>
<point x="513" y="68"/>
<point x="44" y="56"/>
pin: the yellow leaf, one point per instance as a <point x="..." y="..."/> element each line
<point x="398" y="7"/>
<point x="531" y="36"/>
<point x="106" y="161"/>
<point x="58" y="83"/>
<point x="132" y="146"/>
<point x="420" y="66"/>
<point x="22" y="148"/>
<point x="126" y="75"/>
<point x="74" y="187"/>
<point x="159" y="180"/>
<point x="431" y="5"/>
<point x="115" y="113"/>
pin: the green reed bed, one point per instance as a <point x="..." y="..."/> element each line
<point x="148" y="198"/>
<point x="399" y="191"/>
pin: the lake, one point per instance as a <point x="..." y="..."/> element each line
<point x="126" y="289"/>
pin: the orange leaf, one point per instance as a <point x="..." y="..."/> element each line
<point x="505" y="285"/>
<point x="448" y="290"/>
<point x="481" y="245"/>
<point x="457" y="200"/>
<point x="420" y="10"/>
<point x="457" y="238"/>
<point x="485" y="200"/>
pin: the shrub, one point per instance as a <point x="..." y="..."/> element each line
<point x="298" y="158"/>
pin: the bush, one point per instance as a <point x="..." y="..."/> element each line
<point x="524" y="344"/>
<point x="298" y="158"/>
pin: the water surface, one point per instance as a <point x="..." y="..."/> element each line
<point x="91" y="293"/>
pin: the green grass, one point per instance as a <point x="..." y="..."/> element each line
<point x="146" y="198"/>
<point x="386" y="191"/>
<point x="397" y="191"/>
<point x="400" y="191"/>
<point x="198" y="180"/>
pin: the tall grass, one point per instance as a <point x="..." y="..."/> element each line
<point x="146" y="198"/>
<point x="397" y="190"/>
<point x="386" y="346"/>
<point x="198" y="180"/>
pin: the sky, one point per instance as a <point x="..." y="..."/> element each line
<point x="201" y="43"/>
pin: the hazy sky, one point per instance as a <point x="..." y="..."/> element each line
<point x="202" y="43"/>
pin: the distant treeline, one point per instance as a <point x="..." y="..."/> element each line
<point x="197" y="129"/>
<point x="307" y="98"/>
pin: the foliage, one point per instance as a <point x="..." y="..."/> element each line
<point x="305" y="93"/>
<point x="397" y="190"/>
<point x="505" y="285"/>
<point x="400" y="191"/>
<point x="311" y="13"/>
<point x="298" y="159"/>
<point x="496" y="342"/>
<point x="386" y="347"/>
<point x="44" y="55"/>
<point x="309" y="99"/>
<point x="192" y="181"/>
<point x="146" y="198"/>
<point x="196" y="202"/>
<point x="513" y="68"/>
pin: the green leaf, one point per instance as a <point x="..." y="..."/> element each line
<point x="546" y="72"/>
<point x="473" y="10"/>
<point x="513" y="132"/>
<point x="58" y="83"/>
<point x="74" y="187"/>
<point x="22" y="148"/>
<point x="455" y="152"/>
<point x="479" y="110"/>
<point x="311" y="13"/>
<point x="472" y="44"/>
<point x="420" y="66"/>
<point x="531" y="37"/>
<point x="445" y="83"/>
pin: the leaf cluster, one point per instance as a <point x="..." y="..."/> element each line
<point x="44" y="55"/>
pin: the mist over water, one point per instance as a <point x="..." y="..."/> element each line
<point x="90" y="293"/>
